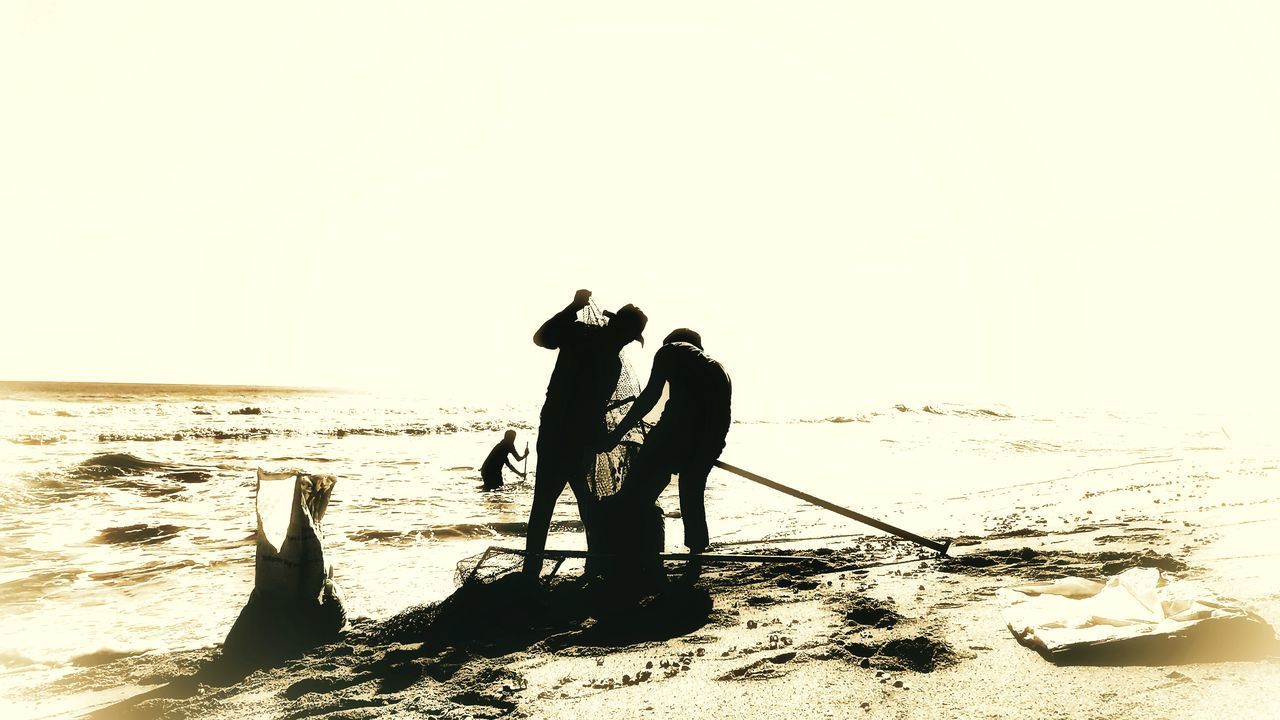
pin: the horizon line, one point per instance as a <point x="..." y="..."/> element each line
<point x="300" y="388"/>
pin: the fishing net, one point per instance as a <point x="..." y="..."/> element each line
<point x="608" y="472"/>
<point x="487" y="566"/>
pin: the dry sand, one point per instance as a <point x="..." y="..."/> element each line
<point x="802" y="639"/>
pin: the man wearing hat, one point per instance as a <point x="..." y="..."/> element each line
<point x="690" y="435"/>
<point x="578" y="394"/>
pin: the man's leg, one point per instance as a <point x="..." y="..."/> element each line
<point x="547" y="486"/>
<point x="693" y="485"/>
<point x="650" y="472"/>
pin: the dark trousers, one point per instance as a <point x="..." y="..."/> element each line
<point x="693" y="486"/>
<point x="662" y="455"/>
<point x="559" y="463"/>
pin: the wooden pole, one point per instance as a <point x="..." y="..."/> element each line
<point x="941" y="547"/>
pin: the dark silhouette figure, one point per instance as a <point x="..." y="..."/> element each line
<point x="581" y="386"/>
<point x="491" y="470"/>
<point x="688" y="438"/>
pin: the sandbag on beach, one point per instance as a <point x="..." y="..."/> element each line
<point x="295" y="604"/>
<point x="1139" y="617"/>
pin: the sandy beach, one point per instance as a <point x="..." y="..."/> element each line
<point x="861" y="628"/>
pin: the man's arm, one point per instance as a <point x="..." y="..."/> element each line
<point x="553" y="331"/>
<point x="513" y="468"/>
<point x="647" y="399"/>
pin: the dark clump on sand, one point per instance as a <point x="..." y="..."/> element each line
<point x="870" y="612"/>
<point x="918" y="653"/>
<point x="788" y="574"/>
<point x="877" y="636"/>
<point x="922" y="653"/>
<point x="513" y="613"/>
<point x="1053" y="564"/>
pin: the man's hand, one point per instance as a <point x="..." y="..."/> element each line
<point x="581" y="298"/>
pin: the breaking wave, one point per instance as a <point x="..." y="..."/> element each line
<point x="126" y="462"/>
<point x="943" y="410"/>
<point x="260" y="433"/>
<point x="457" y="531"/>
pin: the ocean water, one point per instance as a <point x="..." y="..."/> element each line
<point x="99" y="552"/>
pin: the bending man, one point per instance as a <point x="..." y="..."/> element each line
<point x="491" y="470"/>
<point x="690" y="435"/>
<point x="581" y="386"/>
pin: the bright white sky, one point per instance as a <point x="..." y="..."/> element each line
<point x="854" y="203"/>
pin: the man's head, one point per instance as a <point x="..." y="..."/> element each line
<point x="684" y="335"/>
<point x="510" y="436"/>
<point x="629" y="321"/>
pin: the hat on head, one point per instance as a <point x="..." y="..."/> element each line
<point x="630" y="316"/>
<point x="684" y="335"/>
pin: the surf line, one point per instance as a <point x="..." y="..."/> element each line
<point x="940" y="547"/>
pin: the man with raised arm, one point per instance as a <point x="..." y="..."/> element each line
<point x="689" y="436"/>
<point x="578" y="394"/>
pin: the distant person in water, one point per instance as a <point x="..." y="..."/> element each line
<point x="491" y="470"/>
<point x="689" y="436"/>
<point x="581" y="386"/>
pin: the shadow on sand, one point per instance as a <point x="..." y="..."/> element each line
<point x="480" y="620"/>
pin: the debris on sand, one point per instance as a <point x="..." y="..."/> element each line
<point x="870" y="612"/>
<point x="923" y="653"/>
<point x="920" y="653"/>
<point x="1053" y="564"/>
<point x="765" y="668"/>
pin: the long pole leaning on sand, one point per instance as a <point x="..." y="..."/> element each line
<point x="941" y="547"/>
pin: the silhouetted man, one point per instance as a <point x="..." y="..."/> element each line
<point x="689" y="436"/>
<point x="581" y="386"/>
<point x="491" y="470"/>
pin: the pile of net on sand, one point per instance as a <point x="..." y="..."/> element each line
<point x="1141" y="616"/>
<point x="295" y="604"/>
<point x="515" y="611"/>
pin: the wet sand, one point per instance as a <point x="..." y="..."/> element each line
<point x="858" y="630"/>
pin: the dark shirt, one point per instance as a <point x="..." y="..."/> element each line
<point x="492" y="466"/>
<point x="582" y="383"/>
<point x="700" y="393"/>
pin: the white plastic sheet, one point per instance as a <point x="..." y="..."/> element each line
<point x="1073" y="613"/>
